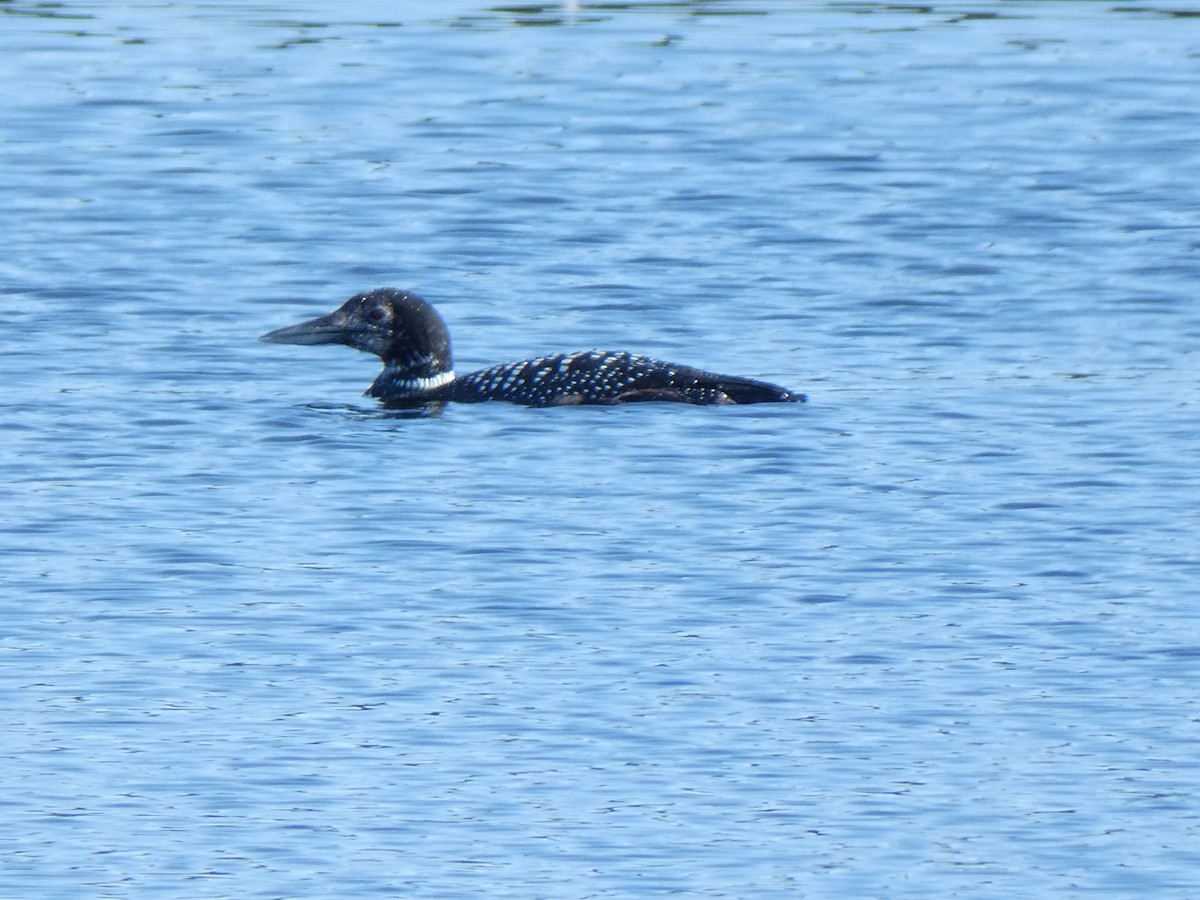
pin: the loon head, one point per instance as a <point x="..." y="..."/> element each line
<point x="398" y="327"/>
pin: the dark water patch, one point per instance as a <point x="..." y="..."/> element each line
<point x="1180" y="652"/>
<point x="117" y="102"/>
<point x="726" y="11"/>
<point x="1158" y="10"/>
<point x="45" y="11"/>
<point x="865" y="659"/>
<point x="286" y="23"/>
<point x="818" y="599"/>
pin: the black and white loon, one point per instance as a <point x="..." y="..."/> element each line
<point x="414" y="344"/>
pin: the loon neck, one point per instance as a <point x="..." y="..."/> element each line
<point x="419" y="365"/>
<point x="418" y="384"/>
<point x="398" y="381"/>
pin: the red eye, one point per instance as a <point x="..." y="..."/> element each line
<point x="377" y="315"/>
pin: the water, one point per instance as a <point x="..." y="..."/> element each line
<point x="933" y="634"/>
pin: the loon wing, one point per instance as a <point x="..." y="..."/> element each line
<point x="688" y="385"/>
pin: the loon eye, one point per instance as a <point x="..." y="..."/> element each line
<point x="377" y="314"/>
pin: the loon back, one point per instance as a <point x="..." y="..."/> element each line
<point x="412" y="340"/>
<point x="599" y="377"/>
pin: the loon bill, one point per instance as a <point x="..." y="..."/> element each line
<point x="412" y="340"/>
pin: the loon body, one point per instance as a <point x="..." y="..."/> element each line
<point x="412" y="340"/>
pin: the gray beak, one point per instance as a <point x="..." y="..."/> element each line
<point x="321" y="330"/>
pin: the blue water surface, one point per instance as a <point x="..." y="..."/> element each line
<point x="932" y="634"/>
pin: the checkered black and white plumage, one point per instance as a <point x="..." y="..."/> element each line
<point x="414" y="344"/>
<point x="602" y="377"/>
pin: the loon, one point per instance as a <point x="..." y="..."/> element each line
<point x="412" y="340"/>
